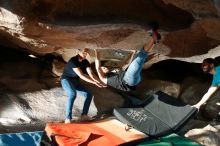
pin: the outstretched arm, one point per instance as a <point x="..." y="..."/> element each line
<point x="206" y="97"/>
<point x="94" y="77"/>
<point x="85" y="77"/>
<point x="98" y="68"/>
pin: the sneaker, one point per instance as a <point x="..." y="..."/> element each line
<point x="85" y="118"/>
<point x="67" y="121"/>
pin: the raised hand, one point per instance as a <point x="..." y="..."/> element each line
<point x="96" y="53"/>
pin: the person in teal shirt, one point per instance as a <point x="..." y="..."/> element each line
<point x="209" y="66"/>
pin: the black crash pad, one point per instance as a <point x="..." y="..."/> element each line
<point x="161" y="114"/>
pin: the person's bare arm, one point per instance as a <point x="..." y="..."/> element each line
<point x="206" y="97"/>
<point x="94" y="77"/>
<point x="85" y="77"/>
<point x="98" y="67"/>
<point x="91" y="74"/>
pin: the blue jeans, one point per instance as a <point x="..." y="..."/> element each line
<point x="73" y="88"/>
<point x="133" y="74"/>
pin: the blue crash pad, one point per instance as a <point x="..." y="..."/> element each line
<point x="21" y="139"/>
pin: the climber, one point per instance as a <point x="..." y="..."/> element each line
<point x="128" y="79"/>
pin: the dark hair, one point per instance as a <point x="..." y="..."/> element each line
<point x="210" y="61"/>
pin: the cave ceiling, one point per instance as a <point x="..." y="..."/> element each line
<point x="189" y="28"/>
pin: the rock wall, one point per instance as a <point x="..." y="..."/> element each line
<point x="57" y="27"/>
<point x="30" y="93"/>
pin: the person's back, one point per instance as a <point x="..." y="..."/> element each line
<point x="216" y="77"/>
<point x="115" y="80"/>
<point x="73" y="63"/>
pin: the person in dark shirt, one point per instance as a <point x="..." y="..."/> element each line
<point x="128" y="79"/>
<point x="77" y="68"/>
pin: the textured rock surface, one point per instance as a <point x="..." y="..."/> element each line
<point x="41" y="27"/>
<point x="203" y="8"/>
<point x="54" y="30"/>
<point x="30" y="94"/>
<point x="208" y="135"/>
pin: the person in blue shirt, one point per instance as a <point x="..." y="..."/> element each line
<point x="209" y="66"/>
<point x="78" y="67"/>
